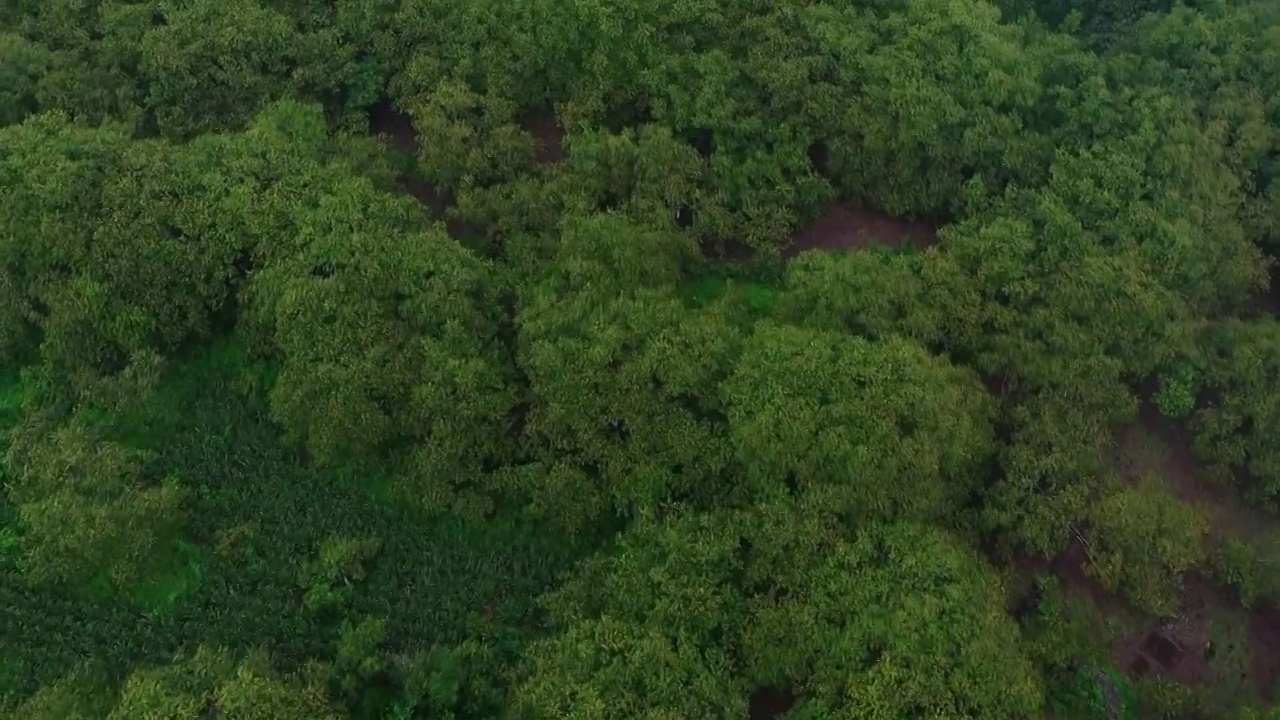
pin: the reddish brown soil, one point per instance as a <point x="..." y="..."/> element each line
<point x="386" y="120"/>
<point x="1155" y="445"/>
<point x="397" y="127"/>
<point x="768" y="703"/>
<point x="1264" y="641"/>
<point x="1174" y="648"/>
<point x="548" y="137"/>
<point x="844" y="227"/>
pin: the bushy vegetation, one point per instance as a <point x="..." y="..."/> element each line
<point x="430" y="359"/>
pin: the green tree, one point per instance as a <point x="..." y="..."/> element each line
<point x="1070" y="294"/>
<point x="24" y="63"/>
<point x="873" y="294"/>
<point x="1236" y="429"/>
<point x="1144" y="538"/>
<point x="690" y="616"/>
<point x="210" y="681"/>
<point x="1221" y="59"/>
<point x="51" y="175"/>
<point x="622" y="375"/>
<point x="387" y="333"/>
<point x="467" y="138"/>
<point x="90" y="49"/>
<point x="213" y="65"/>
<point x="111" y="247"/>
<point x="647" y="173"/>
<point x="1057" y="454"/>
<point x="85" y="507"/>
<point x="928" y="94"/>
<point x="79" y="695"/>
<point x="898" y="431"/>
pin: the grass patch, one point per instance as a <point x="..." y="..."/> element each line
<point x="1230" y="656"/>
<point x="376" y="484"/>
<point x="254" y="515"/>
<point x="175" y="574"/>
<point x="704" y="289"/>
<point x="747" y="296"/>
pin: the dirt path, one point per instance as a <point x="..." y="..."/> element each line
<point x="1212" y="640"/>
<point x="844" y="227"/>
<point x="1211" y="643"/>
<point x="397" y="128"/>
<point x="1155" y="445"/>
<point x="548" y="137"/>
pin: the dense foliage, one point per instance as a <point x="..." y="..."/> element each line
<point x="428" y="359"/>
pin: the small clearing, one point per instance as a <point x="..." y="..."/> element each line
<point x="397" y="127"/>
<point x="387" y="120"/>
<point x="1155" y="445"/>
<point x="767" y="703"/>
<point x="1212" y="639"/>
<point x="844" y="227"/>
<point x="548" y="137"/>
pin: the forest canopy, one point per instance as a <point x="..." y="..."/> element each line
<point x="804" y="359"/>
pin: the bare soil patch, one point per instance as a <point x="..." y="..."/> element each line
<point x="1264" y="641"/>
<point x="387" y="120"/>
<point x="768" y="702"/>
<point x="1176" y="647"/>
<point x="1154" y="444"/>
<point x="1211" y="643"/>
<point x="548" y="137"/>
<point x="843" y="227"/>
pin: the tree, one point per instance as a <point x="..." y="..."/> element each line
<point x="898" y="621"/>
<point x="1236" y="428"/>
<point x="209" y="681"/>
<point x="85" y="506"/>
<point x="690" y="616"/>
<point x="926" y="94"/>
<point x="622" y="375"/>
<point x="89" y="69"/>
<point x="467" y="138"/>
<point x="1057" y="455"/>
<point x="248" y="47"/>
<point x="111" y="247"/>
<point x="1220" y="58"/>
<point x="51" y="175"/>
<point x="387" y="333"/>
<point x="24" y="63"/>
<point x="872" y="294"/>
<point x="648" y="632"/>
<point x="1070" y="294"/>
<point x="647" y="173"/>
<point x="898" y="431"/>
<point x="79" y="695"/>
<point x="1144" y="539"/>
